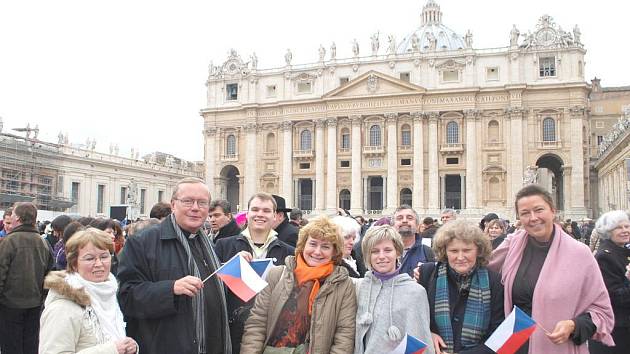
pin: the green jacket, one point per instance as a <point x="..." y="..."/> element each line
<point x="24" y="261"/>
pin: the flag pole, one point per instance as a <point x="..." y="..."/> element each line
<point x="218" y="269"/>
<point x="543" y="328"/>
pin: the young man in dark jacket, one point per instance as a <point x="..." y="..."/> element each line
<point x="257" y="241"/>
<point x="222" y="223"/>
<point x="24" y="261"/>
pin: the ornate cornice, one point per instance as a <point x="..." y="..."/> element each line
<point x="577" y="111"/>
<point x="286" y="125"/>
<point x="320" y="123"/>
<point x="472" y="114"/>
<point x="356" y="119"/>
<point x="433" y="116"/>
<point x="251" y="127"/>
<point x="391" y="117"/>
<point x="332" y="122"/>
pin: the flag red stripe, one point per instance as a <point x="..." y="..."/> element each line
<point x="516" y="340"/>
<point x="238" y="287"/>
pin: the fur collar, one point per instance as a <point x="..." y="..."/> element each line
<point x="56" y="281"/>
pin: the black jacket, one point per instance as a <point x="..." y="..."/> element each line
<point x="612" y="261"/>
<point x="159" y="320"/>
<point x="25" y="259"/>
<point x="457" y="301"/>
<point x="361" y="269"/>
<point x="238" y="310"/>
<point x="288" y="233"/>
<point x="417" y="253"/>
<point x="230" y="229"/>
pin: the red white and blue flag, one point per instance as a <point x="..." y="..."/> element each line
<point x="410" y="345"/>
<point x="241" y="278"/>
<point x="512" y="333"/>
<point x="262" y="266"/>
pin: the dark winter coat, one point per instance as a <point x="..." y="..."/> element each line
<point x="238" y="310"/>
<point x="25" y="260"/>
<point x="230" y="229"/>
<point x="612" y="260"/>
<point x="457" y="302"/>
<point x="417" y="253"/>
<point x="288" y="233"/>
<point x="159" y="320"/>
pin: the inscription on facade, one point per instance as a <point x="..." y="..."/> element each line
<point x="334" y="106"/>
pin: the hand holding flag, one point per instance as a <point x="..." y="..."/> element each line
<point x="240" y="277"/>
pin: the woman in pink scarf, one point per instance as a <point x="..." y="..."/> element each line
<point x="554" y="279"/>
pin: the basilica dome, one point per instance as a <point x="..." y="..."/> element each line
<point x="431" y="30"/>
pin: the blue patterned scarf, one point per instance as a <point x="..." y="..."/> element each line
<point x="477" y="313"/>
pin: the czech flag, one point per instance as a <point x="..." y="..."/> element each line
<point x="410" y="345"/>
<point x="241" y="278"/>
<point x="512" y="333"/>
<point x="262" y="266"/>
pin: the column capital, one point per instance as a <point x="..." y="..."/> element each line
<point x="391" y="117"/>
<point x="286" y="125"/>
<point x="251" y="127"/>
<point x="356" y="119"/>
<point x="211" y="131"/>
<point x="577" y="111"/>
<point x="433" y="117"/>
<point x="472" y="114"/>
<point x="320" y="123"/>
<point x="514" y="112"/>
<point x="332" y="122"/>
<point x="418" y="116"/>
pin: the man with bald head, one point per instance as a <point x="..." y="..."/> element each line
<point x="168" y="307"/>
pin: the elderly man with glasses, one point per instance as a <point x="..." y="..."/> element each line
<point x="168" y="307"/>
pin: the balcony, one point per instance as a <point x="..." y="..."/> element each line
<point x="377" y="150"/>
<point x="404" y="148"/>
<point x="452" y="149"/>
<point x="270" y="155"/>
<point x="549" y="144"/>
<point x="229" y="157"/>
<point x="344" y="151"/>
<point x="493" y="145"/>
<point x="303" y="154"/>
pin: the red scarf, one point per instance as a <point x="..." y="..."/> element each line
<point x="304" y="272"/>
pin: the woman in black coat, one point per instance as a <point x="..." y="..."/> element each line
<point x="613" y="257"/>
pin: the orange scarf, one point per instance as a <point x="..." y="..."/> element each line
<point x="304" y="273"/>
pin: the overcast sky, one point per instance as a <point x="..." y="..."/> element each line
<point x="132" y="72"/>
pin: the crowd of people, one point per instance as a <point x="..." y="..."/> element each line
<point x="340" y="284"/>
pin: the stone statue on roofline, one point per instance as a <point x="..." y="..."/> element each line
<point x="355" y="48"/>
<point x="415" y="43"/>
<point x="322" y="52"/>
<point x="514" y="34"/>
<point x="468" y="39"/>
<point x="375" y="43"/>
<point x="254" y="60"/>
<point x="288" y="57"/>
<point x="577" y="35"/>
<point x="333" y="51"/>
<point x="392" y="44"/>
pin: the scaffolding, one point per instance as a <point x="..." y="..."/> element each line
<point x="28" y="175"/>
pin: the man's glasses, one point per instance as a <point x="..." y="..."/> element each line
<point x="188" y="203"/>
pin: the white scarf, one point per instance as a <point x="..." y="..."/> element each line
<point x="103" y="303"/>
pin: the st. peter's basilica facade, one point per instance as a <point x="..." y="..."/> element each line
<point x="428" y="121"/>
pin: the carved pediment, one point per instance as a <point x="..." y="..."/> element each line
<point x="451" y="64"/>
<point x="374" y="83"/>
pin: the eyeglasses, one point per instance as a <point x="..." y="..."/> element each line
<point x="104" y="258"/>
<point x="188" y="203"/>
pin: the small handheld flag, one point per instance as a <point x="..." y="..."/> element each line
<point x="262" y="266"/>
<point x="241" y="278"/>
<point x="512" y="333"/>
<point x="410" y="345"/>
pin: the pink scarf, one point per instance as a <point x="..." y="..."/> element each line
<point x="570" y="283"/>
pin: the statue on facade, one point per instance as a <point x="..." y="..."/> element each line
<point x="211" y="68"/>
<point x="566" y="39"/>
<point x="288" y="57"/>
<point x="1" y="124"/>
<point x="333" y="51"/>
<point x="432" y="41"/>
<point x="168" y="161"/>
<point x="529" y="41"/>
<point x="133" y="152"/>
<point x="392" y="44"/>
<point x="375" y="43"/>
<point x="111" y="148"/>
<point x="355" y="48"/>
<point x="36" y="131"/>
<point x="514" y="34"/>
<point x="93" y="146"/>
<point x="116" y="149"/>
<point x="254" y="60"/>
<point x="577" y="35"/>
<point x="60" y="138"/>
<point x="66" y="140"/>
<point x="88" y="143"/>
<point x="415" y="43"/>
<point x="28" y="130"/>
<point x="322" y="52"/>
<point x="531" y="175"/>
<point x="152" y="159"/>
<point x="132" y="193"/>
<point x="468" y="39"/>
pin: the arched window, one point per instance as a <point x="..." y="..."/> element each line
<point x="271" y="142"/>
<point x="375" y="135"/>
<point x="345" y="138"/>
<point x="230" y="145"/>
<point x="405" y="135"/>
<point x="305" y="140"/>
<point x="405" y="196"/>
<point x="493" y="131"/>
<point x="452" y="133"/>
<point x="549" y="129"/>
<point x="344" y="199"/>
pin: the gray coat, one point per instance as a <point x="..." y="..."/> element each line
<point x="388" y="310"/>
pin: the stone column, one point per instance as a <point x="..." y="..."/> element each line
<point x="418" y="163"/>
<point x="251" y="161"/>
<point x="210" y="159"/>
<point x="577" y="164"/>
<point x="434" y="181"/>
<point x="331" y="170"/>
<point x="319" y="166"/>
<point x="391" y="194"/>
<point x="515" y="159"/>
<point x="355" y="196"/>
<point x="287" y="162"/>
<point x="472" y="162"/>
